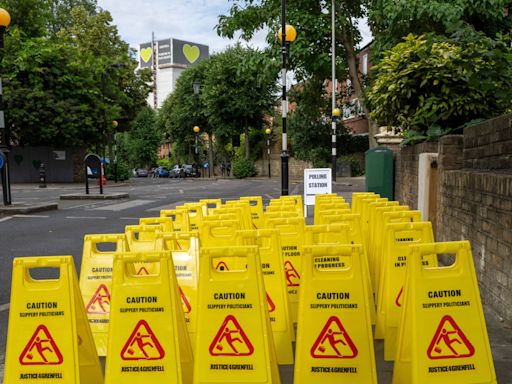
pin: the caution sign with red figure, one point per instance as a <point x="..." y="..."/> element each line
<point x="142" y="271"/>
<point x="41" y="349"/>
<point x="231" y="340"/>
<point x="291" y="274"/>
<point x="271" y="305"/>
<point x="142" y="344"/>
<point x="442" y="335"/>
<point x="222" y="266"/>
<point x="334" y="342"/>
<point x="449" y="341"/>
<point x="187" y="308"/>
<point x="100" y="301"/>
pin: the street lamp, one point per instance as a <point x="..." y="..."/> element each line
<point x="196" y="85"/>
<point x="286" y="35"/>
<point x="196" y="130"/>
<point x="115" y="125"/>
<point x="268" y="131"/>
<point x="5" y="20"/>
<point x="336" y="113"/>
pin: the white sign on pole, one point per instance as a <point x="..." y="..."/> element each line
<point x="317" y="181"/>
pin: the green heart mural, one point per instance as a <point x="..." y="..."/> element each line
<point x="145" y="54"/>
<point x="18" y="159"/>
<point x="191" y="52"/>
<point x="36" y="163"/>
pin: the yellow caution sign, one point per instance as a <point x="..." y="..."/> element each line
<point x="195" y="215"/>
<point x="398" y="239"/>
<point x="165" y="224"/>
<point x="256" y="207"/>
<point x="49" y="339"/>
<point x="388" y="217"/>
<point x="179" y="218"/>
<point x="209" y="205"/>
<point x="324" y="208"/>
<point x="148" y="339"/>
<point x="96" y="282"/>
<point x="357" y="197"/>
<point x="443" y="337"/>
<point x="334" y="343"/>
<point x="292" y="241"/>
<point x="234" y="341"/>
<point x="184" y="247"/>
<point x="275" y="289"/>
<point x="141" y="238"/>
<point x="241" y="211"/>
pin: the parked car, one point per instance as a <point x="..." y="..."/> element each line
<point x="140" y="172"/>
<point x="177" y="171"/>
<point x="162" y="171"/>
<point x="190" y="170"/>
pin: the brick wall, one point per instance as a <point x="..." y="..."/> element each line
<point x="474" y="200"/>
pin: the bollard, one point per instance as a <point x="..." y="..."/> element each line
<point x="42" y="176"/>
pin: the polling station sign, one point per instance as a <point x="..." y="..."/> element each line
<point x="317" y="181"/>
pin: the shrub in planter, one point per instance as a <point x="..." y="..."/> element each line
<point x="243" y="168"/>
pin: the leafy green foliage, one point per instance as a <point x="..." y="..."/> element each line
<point x="237" y="88"/>
<point x="391" y="20"/>
<point x="65" y="88"/>
<point x="431" y="85"/>
<point x="142" y="141"/>
<point x="243" y="168"/>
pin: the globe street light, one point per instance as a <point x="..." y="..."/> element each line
<point x="286" y="35"/>
<point x="5" y="20"/>
<point x="268" y="131"/>
<point x="336" y="113"/>
<point x="115" y="124"/>
<point x="196" y="130"/>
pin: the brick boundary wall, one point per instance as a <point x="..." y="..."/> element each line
<point x="474" y="200"/>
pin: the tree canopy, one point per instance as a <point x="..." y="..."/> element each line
<point x="237" y="89"/>
<point x="67" y="74"/>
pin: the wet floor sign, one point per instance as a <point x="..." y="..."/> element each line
<point x="49" y="339"/>
<point x="443" y="336"/>
<point x="96" y="281"/>
<point x="334" y="342"/>
<point x="148" y="340"/>
<point x="234" y="336"/>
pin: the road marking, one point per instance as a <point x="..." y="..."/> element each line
<point x="125" y="205"/>
<point x="181" y="191"/>
<point x="32" y="216"/>
<point x="5" y="218"/>
<point x="86" y="217"/>
<point x="4" y="307"/>
<point x="270" y="197"/>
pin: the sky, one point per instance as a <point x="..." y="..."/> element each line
<point x="190" y="20"/>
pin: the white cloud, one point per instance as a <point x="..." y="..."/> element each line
<point x="191" y="20"/>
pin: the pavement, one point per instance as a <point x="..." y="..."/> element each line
<point x="500" y="333"/>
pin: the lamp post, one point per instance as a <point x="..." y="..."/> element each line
<point x="286" y="35"/>
<point x="196" y="130"/>
<point x="268" y="131"/>
<point x="336" y="113"/>
<point x="115" y="125"/>
<point x="5" y="20"/>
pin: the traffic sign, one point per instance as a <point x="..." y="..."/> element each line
<point x="2" y="160"/>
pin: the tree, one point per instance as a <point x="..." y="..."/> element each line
<point x="183" y="110"/>
<point x="239" y="90"/>
<point x="310" y="53"/>
<point x="66" y="91"/>
<point x="51" y="97"/>
<point x="432" y="85"/>
<point x="392" y="20"/>
<point x="141" y="143"/>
